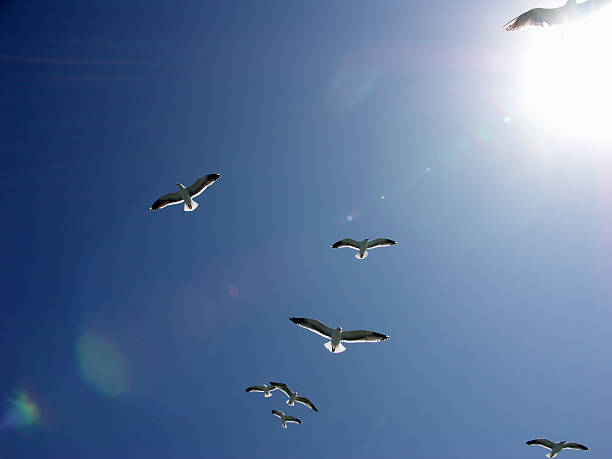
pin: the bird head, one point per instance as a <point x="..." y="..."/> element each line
<point x="339" y="328"/>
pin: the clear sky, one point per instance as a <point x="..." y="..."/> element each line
<point x="126" y="333"/>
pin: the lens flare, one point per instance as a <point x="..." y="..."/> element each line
<point x="102" y="365"/>
<point x="232" y="290"/>
<point x="566" y="79"/>
<point x="483" y="135"/>
<point x="356" y="79"/>
<point x="22" y="413"/>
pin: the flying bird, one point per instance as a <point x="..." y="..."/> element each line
<point x="265" y="389"/>
<point x="285" y="419"/>
<point x="337" y="336"/>
<point x="293" y="396"/>
<point x="363" y="246"/>
<point x="186" y="194"/>
<point x="570" y="12"/>
<point x="556" y="447"/>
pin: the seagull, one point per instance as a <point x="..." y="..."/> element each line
<point x="186" y="194"/>
<point x="265" y="389"/>
<point x="337" y="335"/>
<point x="565" y="14"/>
<point x="362" y="246"/>
<point x="293" y="396"/>
<point x="556" y="447"/>
<point x="284" y="418"/>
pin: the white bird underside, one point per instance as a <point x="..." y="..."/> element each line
<point x="193" y="191"/>
<point x="352" y="336"/>
<point x="570" y="12"/>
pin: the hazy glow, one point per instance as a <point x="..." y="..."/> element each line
<point x="23" y="412"/>
<point x="102" y="365"/>
<point x="353" y="83"/>
<point x="233" y="291"/>
<point x="567" y="78"/>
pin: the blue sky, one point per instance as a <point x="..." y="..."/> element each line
<point x="131" y="334"/>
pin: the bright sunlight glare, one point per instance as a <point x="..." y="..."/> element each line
<point x="567" y="79"/>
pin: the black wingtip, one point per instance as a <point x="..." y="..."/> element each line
<point x="296" y="320"/>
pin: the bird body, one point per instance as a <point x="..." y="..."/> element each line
<point x="285" y="419"/>
<point x="363" y="246"/>
<point x="189" y="204"/>
<point x="555" y="448"/>
<point x="334" y="342"/>
<point x="186" y="194"/>
<point x="337" y="336"/>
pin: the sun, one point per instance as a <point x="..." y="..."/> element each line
<point x="567" y="79"/>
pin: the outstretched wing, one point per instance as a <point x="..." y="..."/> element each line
<point x="380" y="243"/>
<point x="363" y="336"/>
<point x="346" y="243"/>
<point x="542" y="442"/>
<point x="313" y="325"/>
<point x="280" y="414"/>
<point x="536" y="17"/>
<point x="201" y="184"/>
<point x="255" y="389"/>
<point x="305" y="401"/>
<point x="292" y="419"/>
<point x="573" y="445"/>
<point x="167" y="200"/>
<point x="281" y="386"/>
<point x="586" y="8"/>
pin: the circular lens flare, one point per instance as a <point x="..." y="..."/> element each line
<point x="102" y="365"/>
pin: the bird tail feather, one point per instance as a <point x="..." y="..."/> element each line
<point x="551" y="454"/>
<point x="194" y="205"/>
<point x="339" y="347"/>
<point x="361" y="257"/>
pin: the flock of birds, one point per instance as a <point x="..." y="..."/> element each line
<point x="536" y="17"/>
